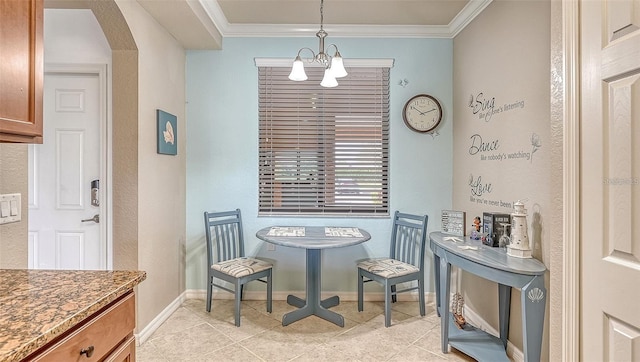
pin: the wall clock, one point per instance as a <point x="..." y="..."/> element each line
<point x="422" y="113"/>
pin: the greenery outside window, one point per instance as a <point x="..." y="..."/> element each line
<point x="324" y="151"/>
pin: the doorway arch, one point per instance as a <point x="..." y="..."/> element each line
<point x="124" y="113"/>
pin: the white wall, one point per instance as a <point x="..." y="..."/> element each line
<point x="161" y="178"/>
<point x="502" y="95"/>
<point x="222" y="166"/>
<point x="74" y="36"/>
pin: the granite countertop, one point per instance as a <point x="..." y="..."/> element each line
<point x="36" y="306"/>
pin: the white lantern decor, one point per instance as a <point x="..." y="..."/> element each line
<point x="519" y="243"/>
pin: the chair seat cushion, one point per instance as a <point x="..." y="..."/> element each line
<point x="387" y="268"/>
<point x="240" y="267"/>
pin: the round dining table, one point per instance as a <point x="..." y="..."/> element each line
<point x="313" y="239"/>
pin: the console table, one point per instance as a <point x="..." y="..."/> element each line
<point x="493" y="264"/>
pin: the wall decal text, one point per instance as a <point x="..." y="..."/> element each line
<point x="485" y="107"/>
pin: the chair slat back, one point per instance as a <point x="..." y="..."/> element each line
<point x="408" y="238"/>
<point x="225" y="230"/>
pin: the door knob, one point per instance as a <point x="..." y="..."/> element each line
<point x="95" y="218"/>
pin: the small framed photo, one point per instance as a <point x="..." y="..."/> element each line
<point x="453" y="222"/>
<point x="167" y="133"/>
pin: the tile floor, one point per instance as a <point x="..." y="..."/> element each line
<point x="192" y="334"/>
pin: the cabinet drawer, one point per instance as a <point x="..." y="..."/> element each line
<point x="104" y="332"/>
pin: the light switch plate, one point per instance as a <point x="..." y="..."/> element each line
<point x="13" y="205"/>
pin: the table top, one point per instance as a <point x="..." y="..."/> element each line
<point x="39" y="305"/>
<point x="493" y="257"/>
<point x="313" y="237"/>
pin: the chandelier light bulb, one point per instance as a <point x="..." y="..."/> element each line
<point x="297" y="71"/>
<point x="337" y="66"/>
<point x="329" y="80"/>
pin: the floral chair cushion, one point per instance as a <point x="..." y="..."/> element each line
<point x="387" y="268"/>
<point x="240" y="267"/>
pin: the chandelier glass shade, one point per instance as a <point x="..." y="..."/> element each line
<point x="334" y="67"/>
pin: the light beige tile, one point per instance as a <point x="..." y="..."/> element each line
<point x="147" y="352"/>
<point x="364" y="344"/>
<point x="396" y="318"/>
<point x="318" y="327"/>
<point x="412" y="308"/>
<point x="349" y="310"/>
<point x="231" y="353"/>
<point x="278" y="308"/>
<point x="413" y="353"/>
<point x="407" y="331"/>
<point x="181" y="319"/>
<point x="327" y="352"/>
<point x="279" y="344"/>
<point x="252" y="322"/>
<point x="191" y="343"/>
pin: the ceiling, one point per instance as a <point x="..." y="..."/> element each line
<point x="203" y="24"/>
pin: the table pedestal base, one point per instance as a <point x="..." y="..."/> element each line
<point x="313" y="305"/>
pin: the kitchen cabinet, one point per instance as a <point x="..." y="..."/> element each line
<point x="55" y="315"/>
<point x="108" y="336"/>
<point x="21" y="70"/>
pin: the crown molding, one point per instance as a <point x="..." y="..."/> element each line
<point x="350" y="62"/>
<point x="468" y="13"/>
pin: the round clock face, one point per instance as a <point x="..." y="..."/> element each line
<point x="422" y="113"/>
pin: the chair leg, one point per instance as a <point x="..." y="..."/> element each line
<point x="237" y="306"/>
<point x="394" y="297"/>
<point x="421" y="296"/>
<point x="360" y="291"/>
<point x="387" y="303"/>
<point x="241" y="291"/>
<point x="269" y="294"/>
<point x="209" y="292"/>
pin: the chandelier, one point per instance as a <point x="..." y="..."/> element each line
<point x="333" y="66"/>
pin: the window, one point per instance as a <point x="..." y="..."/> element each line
<point x="324" y="151"/>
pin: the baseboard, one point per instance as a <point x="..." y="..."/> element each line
<point x="144" y="334"/>
<point x="282" y="295"/>
<point x="475" y="320"/>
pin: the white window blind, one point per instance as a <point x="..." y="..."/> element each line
<point x="324" y="151"/>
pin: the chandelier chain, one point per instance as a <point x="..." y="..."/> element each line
<point x="321" y="13"/>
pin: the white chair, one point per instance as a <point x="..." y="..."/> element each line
<point x="224" y="230"/>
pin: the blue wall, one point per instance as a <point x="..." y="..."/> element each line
<point x="222" y="151"/>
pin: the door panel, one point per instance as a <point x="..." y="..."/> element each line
<point x="610" y="180"/>
<point x="61" y="171"/>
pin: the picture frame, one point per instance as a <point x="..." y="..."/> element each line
<point x="453" y="222"/>
<point x="167" y="133"/>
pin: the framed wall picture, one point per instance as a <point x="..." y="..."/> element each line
<point x="167" y="133"/>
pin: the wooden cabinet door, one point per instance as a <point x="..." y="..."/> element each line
<point x="126" y="352"/>
<point x="21" y="70"/>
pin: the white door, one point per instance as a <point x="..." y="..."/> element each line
<point x="610" y="181"/>
<point x="65" y="226"/>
